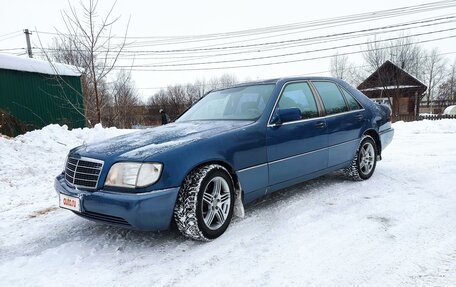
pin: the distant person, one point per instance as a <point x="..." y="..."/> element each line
<point x="164" y="116"/>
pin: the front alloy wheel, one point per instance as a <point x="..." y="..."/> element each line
<point x="205" y="203"/>
<point x="216" y="203"/>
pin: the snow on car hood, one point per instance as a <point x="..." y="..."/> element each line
<point x="145" y="143"/>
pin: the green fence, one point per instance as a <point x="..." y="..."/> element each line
<point x="34" y="100"/>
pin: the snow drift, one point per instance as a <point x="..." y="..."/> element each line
<point x="395" y="229"/>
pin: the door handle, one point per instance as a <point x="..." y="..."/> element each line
<point x="359" y="117"/>
<point x="320" y="125"/>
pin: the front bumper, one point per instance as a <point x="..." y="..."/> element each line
<point x="150" y="211"/>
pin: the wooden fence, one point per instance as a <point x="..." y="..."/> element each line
<point x="410" y="118"/>
<point x="437" y="117"/>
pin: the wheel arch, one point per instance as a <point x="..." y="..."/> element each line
<point x="374" y="134"/>
<point x="228" y="167"/>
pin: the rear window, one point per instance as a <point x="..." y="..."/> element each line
<point x="331" y="96"/>
<point x="353" y="104"/>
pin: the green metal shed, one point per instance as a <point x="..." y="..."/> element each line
<point x="35" y="93"/>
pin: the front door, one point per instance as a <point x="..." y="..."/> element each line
<point x="299" y="147"/>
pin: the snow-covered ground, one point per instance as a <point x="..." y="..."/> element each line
<point x="396" y="229"/>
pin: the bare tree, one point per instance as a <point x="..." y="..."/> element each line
<point x="340" y="67"/>
<point x="343" y="69"/>
<point x="214" y="83"/>
<point x="202" y="87"/>
<point x="125" y="100"/>
<point x="447" y="90"/>
<point x="89" y="44"/>
<point x="434" y="73"/>
<point x="63" y="52"/>
<point x="158" y="100"/>
<point x="451" y="83"/>
<point x="227" y="80"/>
<point x="177" y="98"/>
<point x="375" y="55"/>
<point x="224" y="81"/>
<point x="192" y="94"/>
<point x="405" y="53"/>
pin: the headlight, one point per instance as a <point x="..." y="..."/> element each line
<point x="133" y="174"/>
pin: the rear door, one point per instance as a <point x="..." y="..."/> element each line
<point x="345" y="118"/>
<point x="297" y="148"/>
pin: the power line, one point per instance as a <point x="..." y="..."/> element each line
<point x="284" y="62"/>
<point x="10" y="37"/>
<point x="278" y="44"/>
<point x="285" y="42"/>
<point x="278" y="47"/>
<point x="299" y="39"/>
<point x="13" y="49"/>
<point x="338" y="25"/>
<point x="274" y="56"/>
<point x="281" y="47"/>
<point x="296" y="75"/>
<point x="343" y="38"/>
<point x="294" y="53"/>
<point x="282" y="55"/>
<point x="381" y="14"/>
<point x="11" y="33"/>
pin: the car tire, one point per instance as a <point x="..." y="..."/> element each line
<point x="204" y="206"/>
<point x="365" y="161"/>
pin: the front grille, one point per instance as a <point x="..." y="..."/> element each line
<point x="103" y="217"/>
<point x="83" y="172"/>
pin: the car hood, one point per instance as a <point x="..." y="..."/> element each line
<point x="139" y="145"/>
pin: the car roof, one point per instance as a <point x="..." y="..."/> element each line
<point x="277" y="80"/>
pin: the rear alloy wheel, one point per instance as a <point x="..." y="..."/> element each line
<point x="365" y="161"/>
<point x="205" y="203"/>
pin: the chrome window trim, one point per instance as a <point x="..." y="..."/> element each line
<point x="344" y="113"/>
<point x="89" y="160"/>
<point x="318" y="118"/>
<point x="269" y="125"/>
<point x="280" y="96"/>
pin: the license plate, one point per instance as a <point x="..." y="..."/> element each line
<point x="70" y="202"/>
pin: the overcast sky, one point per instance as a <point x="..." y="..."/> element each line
<point x="197" y="17"/>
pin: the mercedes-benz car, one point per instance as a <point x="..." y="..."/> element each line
<point x="232" y="147"/>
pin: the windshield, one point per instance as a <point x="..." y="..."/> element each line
<point x="240" y="103"/>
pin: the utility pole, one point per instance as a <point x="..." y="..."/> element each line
<point x="27" y="38"/>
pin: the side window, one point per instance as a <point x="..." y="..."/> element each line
<point x="332" y="98"/>
<point x="299" y="95"/>
<point x="353" y="104"/>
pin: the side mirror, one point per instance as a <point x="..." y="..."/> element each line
<point x="281" y="116"/>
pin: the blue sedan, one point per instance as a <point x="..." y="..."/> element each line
<point x="229" y="149"/>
